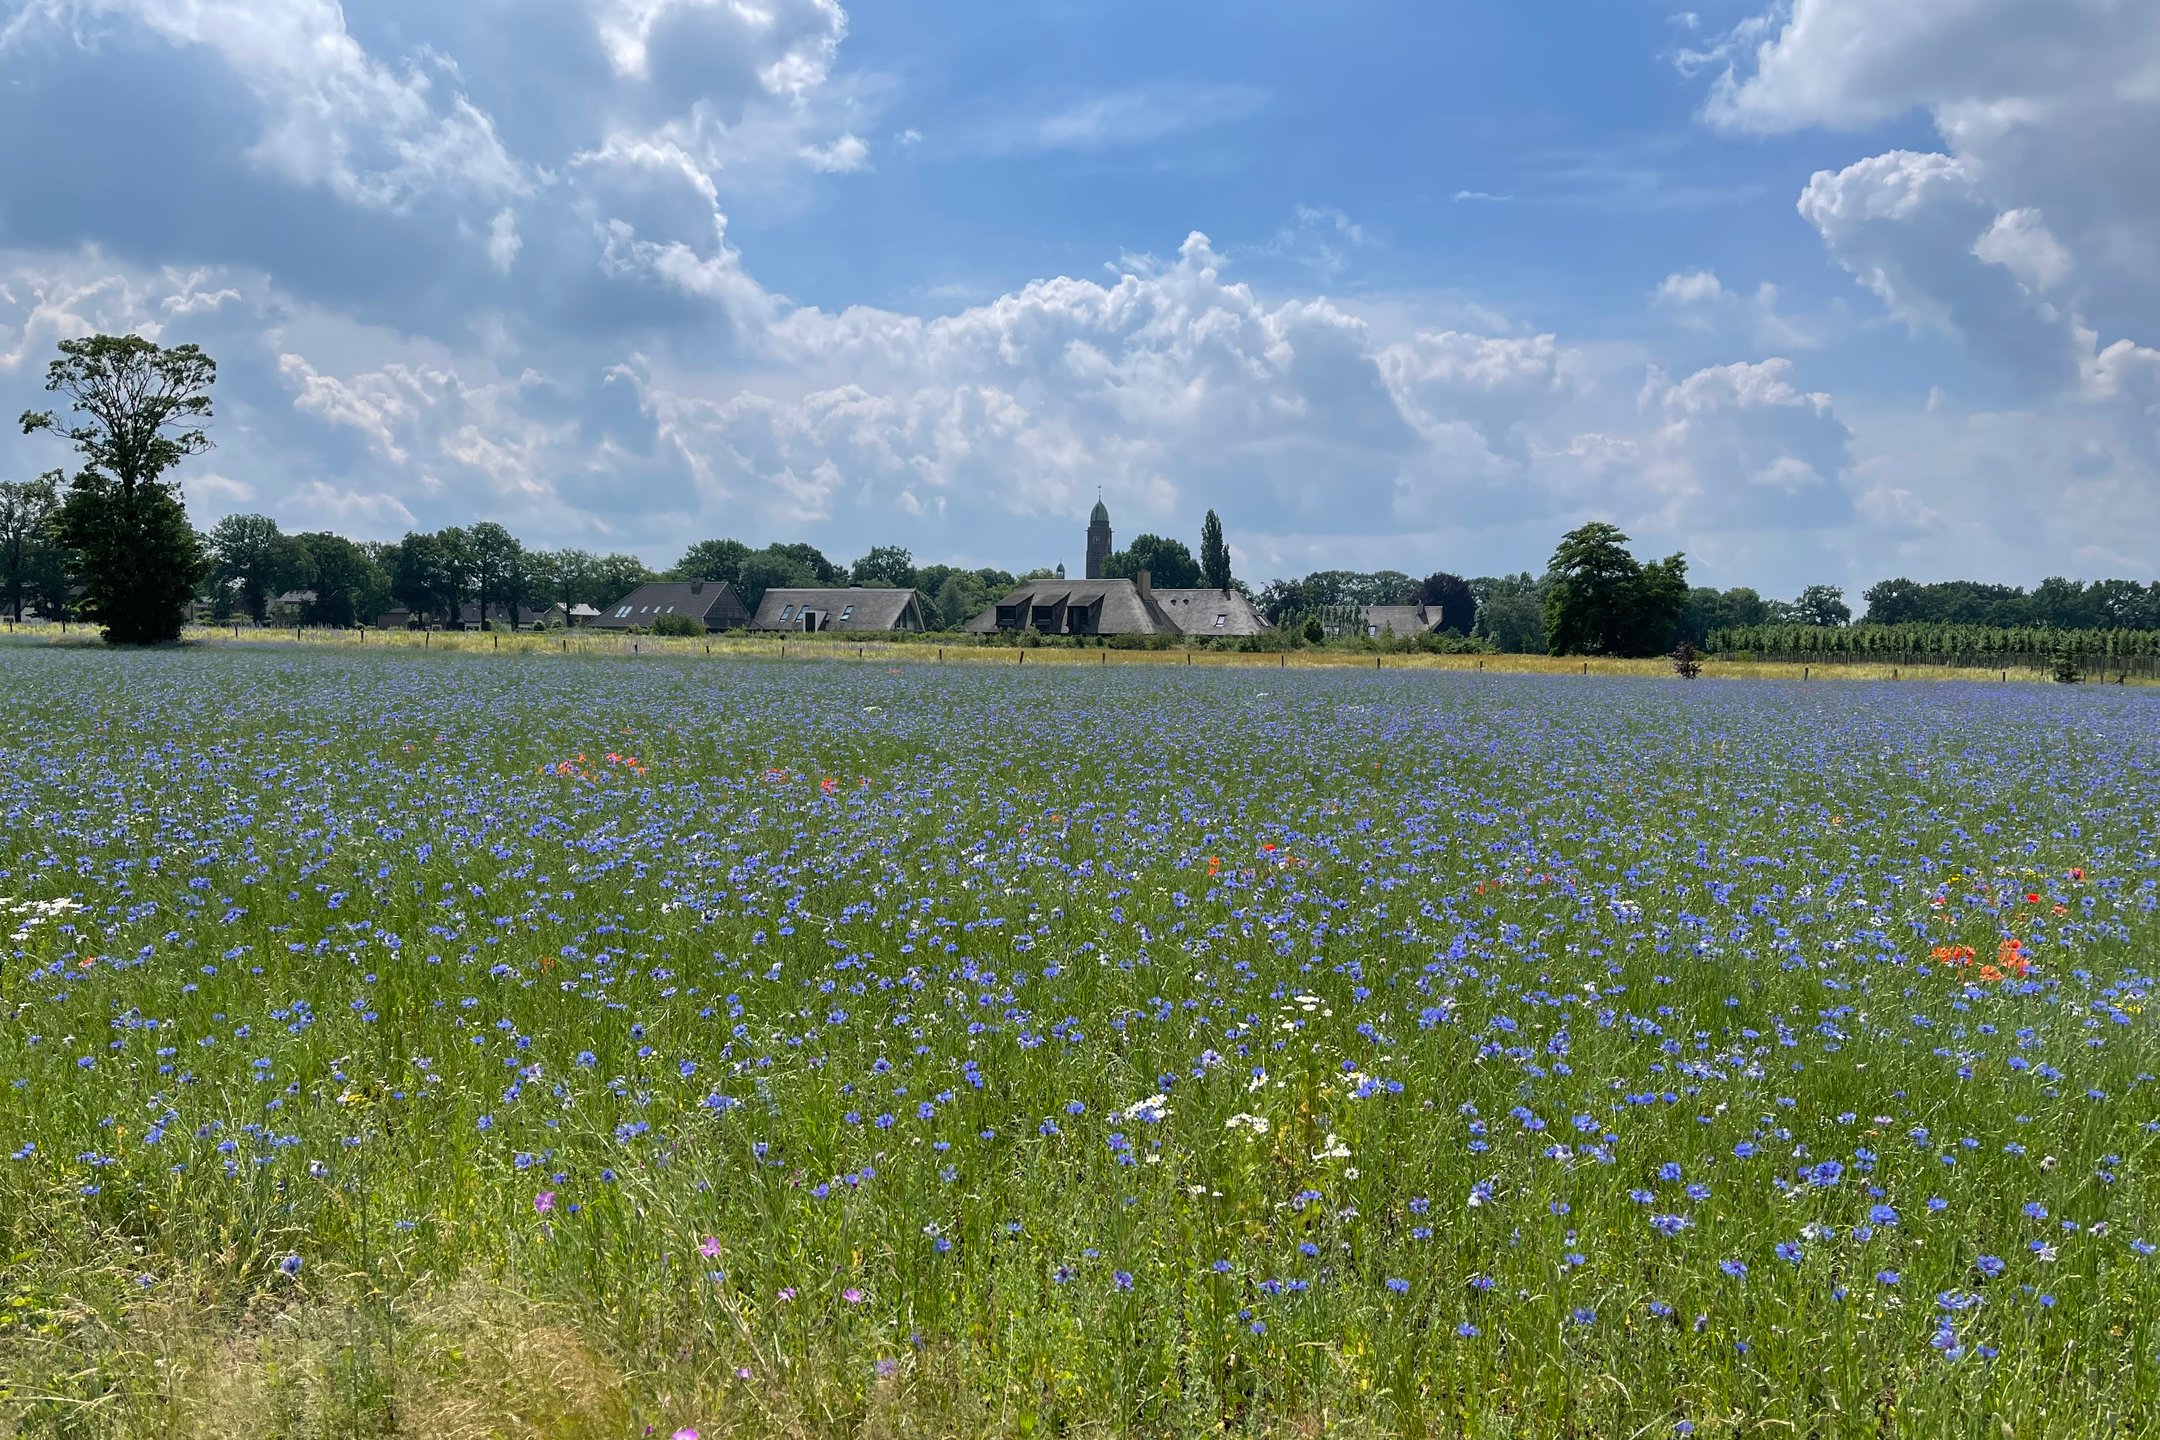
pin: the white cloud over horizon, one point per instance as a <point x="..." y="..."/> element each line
<point x="569" y="331"/>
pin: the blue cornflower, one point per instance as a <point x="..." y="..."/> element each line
<point x="290" y="1264"/>
<point x="1400" y="1287"/>
<point x="1734" y="1268"/>
<point x="1789" y="1252"/>
<point x="1989" y="1266"/>
<point x="1882" y="1215"/>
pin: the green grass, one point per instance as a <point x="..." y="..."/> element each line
<point x="774" y="1049"/>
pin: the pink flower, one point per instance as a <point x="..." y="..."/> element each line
<point x="544" y="1202"/>
<point x="710" y="1246"/>
<point x="787" y="1292"/>
<point x="852" y="1295"/>
<point x="686" y="1433"/>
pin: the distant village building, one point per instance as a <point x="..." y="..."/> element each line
<point x="853" y="609"/>
<point x="1100" y="605"/>
<point x="711" y="602"/>
<point x="576" y="615"/>
<point x="1404" y="621"/>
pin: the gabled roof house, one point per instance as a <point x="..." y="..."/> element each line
<point x="1403" y="621"/>
<point x="853" y="609"/>
<point x="713" y="602"/>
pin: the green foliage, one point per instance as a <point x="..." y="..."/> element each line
<point x="1214" y="554"/>
<point x="2065" y="670"/>
<point x="350" y="588"/>
<point x="1822" y="606"/>
<point x="1283" y="602"/>
<point x="253" y="556"/>
<point x="888" y="566"/>
<point x="1511" y="612"/>
<point x="2056" y="603"/>
<point x="1452" y="597"/>
<point x="1602" y="601"/>
<point x="710" y="560"/>
<point x="1976" y="644"/>
<point x="137" y="411"/>
<point x="952" y="596"/>
<point x="28" y="510"/>
<point x="678" y="625"/>
<point x="1313" y="631"/>
<point x="1169" y="564"/>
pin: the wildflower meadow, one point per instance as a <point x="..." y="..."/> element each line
<point x="409" y="1043"/>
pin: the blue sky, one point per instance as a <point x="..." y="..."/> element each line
<point x="1814" y="291"/>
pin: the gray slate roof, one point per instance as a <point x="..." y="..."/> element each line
<point x="1077" y="607"/>
<point x="1211" y="612"/>
<point x="847" y="608"/>
<point x="1403" y="620"/>
<point x="711" y="601"/>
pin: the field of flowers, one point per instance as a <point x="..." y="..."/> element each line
<point x="463" y="1045"/>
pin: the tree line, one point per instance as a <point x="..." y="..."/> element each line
<point x="111" y="543"/>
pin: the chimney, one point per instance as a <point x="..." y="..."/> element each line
<point x="697" y="587"/>
<point x="1140" y="583"/>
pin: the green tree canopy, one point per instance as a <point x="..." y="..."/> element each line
<point x="711" y="560"/>
<point x="28" y="510"/>
<point x="885" y="565"/>
<point x="1214" y="554"/>
<point x="1822" y="606"/>
<point x="349" y="586"/>
<point x="1602" y="601"/>
<point x="1451" y="595"/>
<point x="259" y="560"/>
<point x="136" y="411"/>
<point x="1169" y="564"/>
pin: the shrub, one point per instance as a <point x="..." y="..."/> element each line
<point x="679" y="625"/>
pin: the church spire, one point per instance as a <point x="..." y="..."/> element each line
<point x="1098" y="538"/>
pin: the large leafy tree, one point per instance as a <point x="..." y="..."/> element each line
<point x="813" y="562"/>
<point x="1822" y="606"/>
<point x="711" y="560"/>
<point x="772" y="569"/>
<point x="1214" y="554"/>
<point x="136" y="410"/>
<point x="1511" y="612"/>
<point x="498" y="569"/>
<point x="28" y="509"/>
<point x="258" y="559"/>
<point x="1169" y="564"/>
<point x="1451" y="596"/>
<point x="422" y="577"/>
<point x="616" y="575"/>
<point x="886" y="565"/>
<point x="349" y="586"/>
<point x="1602" y="601"/>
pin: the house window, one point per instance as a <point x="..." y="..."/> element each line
<point x="786" y="611"/>
<point x="1219" y="619"/>
<point x="623" y="614"/>
<point x="846" y="610"/>
<point x="1372" y="632"/>
<point x="670" y="609"/>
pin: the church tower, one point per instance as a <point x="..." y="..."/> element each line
<point x="1098" y="549"/>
